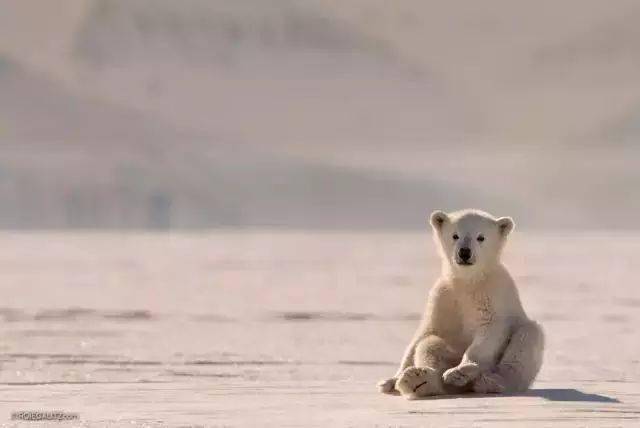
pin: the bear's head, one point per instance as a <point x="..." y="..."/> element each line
<point x="470" y="241"/>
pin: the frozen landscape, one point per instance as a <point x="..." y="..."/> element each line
<point x="274" y="328"/>
<point x="241" y="135"/>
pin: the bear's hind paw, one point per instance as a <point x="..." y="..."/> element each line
<point x="489" y="383"/>
<point x="417" y="382"/>
<point x="461" y="375"/>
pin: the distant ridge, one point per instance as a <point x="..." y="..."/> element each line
<point x="89" y="164"/>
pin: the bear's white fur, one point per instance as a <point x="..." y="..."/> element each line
<point x="475" y="335"/>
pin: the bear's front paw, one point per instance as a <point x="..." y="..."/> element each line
<point x="489" y="383"/>
<point x="461" y="375"/>
<point x="417" y="382"/>
<point x="388" y="386"/>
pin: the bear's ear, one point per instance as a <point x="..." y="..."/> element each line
<point x="505" y="225"/>
<point x="438" y="218"/>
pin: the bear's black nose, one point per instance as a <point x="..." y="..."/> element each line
<point x="464" y="253"/>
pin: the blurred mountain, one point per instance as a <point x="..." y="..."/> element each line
<point x="539" y="73"/>
<point x="36" y="109"/>
<point x="80" y="162"/>
<point x="322" y="113"/>
<point x="284" y="75"/>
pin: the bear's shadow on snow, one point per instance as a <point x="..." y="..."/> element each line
<point x="550" y="394"/>
<point x="568" y="394"/>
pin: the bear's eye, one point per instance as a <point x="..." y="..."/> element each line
<point x="480" y="238"/>
<point x="455" y="237"/>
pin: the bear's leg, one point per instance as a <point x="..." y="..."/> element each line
<point x="432" y="357"/>
<point x="522" y="358"/>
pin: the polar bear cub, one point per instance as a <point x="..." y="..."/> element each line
<point x="475" y="335"/>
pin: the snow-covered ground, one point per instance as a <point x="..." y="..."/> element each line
<point x="269" y="328"/>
